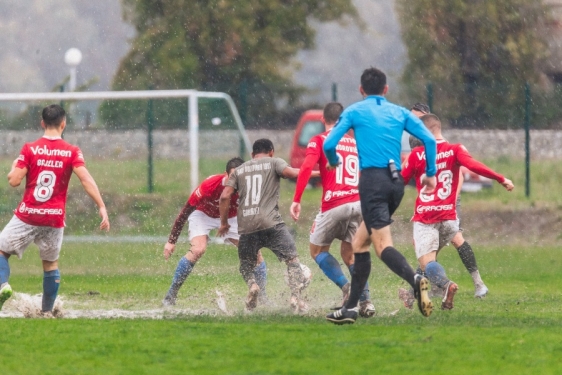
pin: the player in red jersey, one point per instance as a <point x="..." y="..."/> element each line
<point x="435" y="216"/>
<point x="47" y="165"/>
<point x="340" y="213"/>
<point x="462" y="246"/>
<point x="202" y="209"/>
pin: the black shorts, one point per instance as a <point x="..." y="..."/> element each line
<point x="277" y="239"/>
<point x="380" y="196"/>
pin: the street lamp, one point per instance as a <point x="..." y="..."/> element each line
<point x="72" y="58"/>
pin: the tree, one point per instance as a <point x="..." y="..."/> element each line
<point x="477" y="54"/>
<point x="241" y="47"/>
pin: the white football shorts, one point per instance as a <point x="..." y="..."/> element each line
<point x="17" y="236"/>
<point x="201" y="225"/>
<point x="338" y="223"/>
<point x="432" y="237"/>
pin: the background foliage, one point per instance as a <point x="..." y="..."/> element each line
<point x="243" y="48"/>
<point x="477" y="54"/>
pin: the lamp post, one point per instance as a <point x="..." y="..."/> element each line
<point x="72" y="58"/>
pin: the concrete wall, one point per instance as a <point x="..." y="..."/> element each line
<point x="545" y="144"/>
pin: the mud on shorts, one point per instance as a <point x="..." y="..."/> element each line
<point x="340" y="222"/>
<point x="432" y="237"/>
<point x="200" y="224"/>
<point x="17" y="236"/>
<point x="277" y="239"/>
<point x="380" y="196"/>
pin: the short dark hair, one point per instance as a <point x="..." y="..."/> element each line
<point x="421" y="107"/>
<point x="332" y="112"/>
<point x="262" y="146"/>
<point x="414" y="142"/>
<point x="53" y="115"/>
<point x="373" y="81"/>
<point x="233" y="163"/>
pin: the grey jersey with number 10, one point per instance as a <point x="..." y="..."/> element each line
<point x="257" y="183"/>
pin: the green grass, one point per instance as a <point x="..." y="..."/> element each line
<point x="514" y="330"/>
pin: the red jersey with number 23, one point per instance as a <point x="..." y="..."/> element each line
<point x="49" y="163"/>
<point x="340" y="185"/>
<point x="441" y="205"/>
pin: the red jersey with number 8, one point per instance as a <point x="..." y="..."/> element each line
<point x="49" y="163"/>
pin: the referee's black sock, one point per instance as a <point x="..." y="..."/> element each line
<point x="398" y="264"/>
<point x="359" y="277"/>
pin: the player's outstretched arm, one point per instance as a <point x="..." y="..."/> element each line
<point x="507" y="184"/>
<point x="16" y="175"/>
<point x="302" y="180"/>
<point x="92" y="190"/>
<point x="290" y="172"/>
<point x="224" y="205"/>
<point x="466" y="160"/>
<point x="295" y="210"/>
<point x="170" y="246"/>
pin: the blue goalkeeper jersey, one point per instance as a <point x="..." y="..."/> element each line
<point x="378" y="126"/>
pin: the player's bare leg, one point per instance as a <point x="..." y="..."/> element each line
<point x="184" y="268"/>
<point x="5" y="288"/>
<point x="469" y="260"/>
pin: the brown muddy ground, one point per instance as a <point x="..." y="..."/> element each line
<point x="531" y="226"/>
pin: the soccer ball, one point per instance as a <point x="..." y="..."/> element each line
<point x="307" y="276"/>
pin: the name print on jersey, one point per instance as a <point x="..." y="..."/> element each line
<point x="49" y="163"/>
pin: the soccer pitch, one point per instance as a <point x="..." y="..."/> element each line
<point x="516" y="329"/>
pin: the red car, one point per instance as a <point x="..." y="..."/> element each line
<point x="309" y="125"/>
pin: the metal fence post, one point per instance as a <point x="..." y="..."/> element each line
<point x="334" y="92"/>
<point x="527" y="140"/>
<point x="429" y="95"/>
<point x="150" y="123"/>
<point x="243" y="112"/>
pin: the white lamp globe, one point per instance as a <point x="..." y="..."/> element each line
<point x="73" y="57"/>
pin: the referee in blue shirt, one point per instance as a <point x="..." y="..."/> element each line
<point x="378" y="126"/>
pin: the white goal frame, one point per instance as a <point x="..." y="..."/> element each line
<point x="193" y="117"/>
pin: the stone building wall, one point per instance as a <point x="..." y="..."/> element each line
<point x="484" y="144"/>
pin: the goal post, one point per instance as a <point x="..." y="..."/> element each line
<point x="192" y="106"/>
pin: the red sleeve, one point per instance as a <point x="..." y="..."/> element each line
<point x="312" y="156"/>
<point x="408" y="169"/>
<point x="23" y="158"/>
<point x="78" y="159"/>
<point x="180" y="222"/>
<point x="465" y="159"/>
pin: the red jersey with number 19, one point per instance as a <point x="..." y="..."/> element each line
<point x="441" y="205"/>
<point x="49" y="163"/>
<point x="340" y="185"/>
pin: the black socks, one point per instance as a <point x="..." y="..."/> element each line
<point x="467" y="257"/>
<point x="398" y="264"/>
<point x="361" y="272"/>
